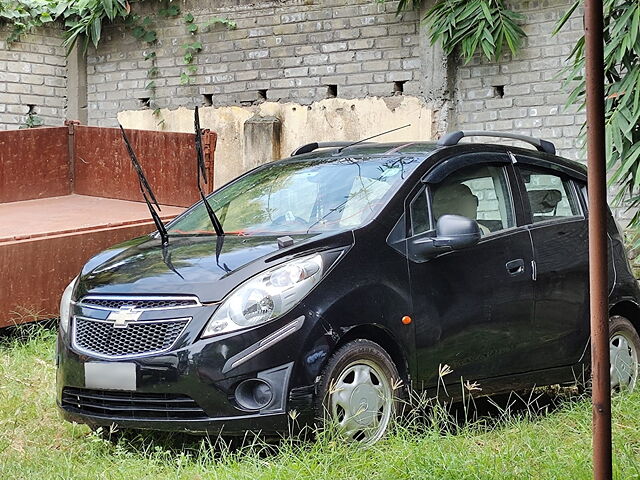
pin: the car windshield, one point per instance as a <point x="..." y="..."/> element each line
<point x="301" y="196"/>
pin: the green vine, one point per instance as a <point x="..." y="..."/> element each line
<point x="191" y="49"/>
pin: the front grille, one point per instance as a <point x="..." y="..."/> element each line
<point x="100" y="337"/>
<point x="134" y="405"/>
<point x="139" y="303"/>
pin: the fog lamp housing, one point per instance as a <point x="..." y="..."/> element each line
<point x="253" y="394"/>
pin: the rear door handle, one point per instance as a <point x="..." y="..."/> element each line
<point x="515" y="267"/>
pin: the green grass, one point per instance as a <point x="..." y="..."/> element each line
<point x="36" y="444"/>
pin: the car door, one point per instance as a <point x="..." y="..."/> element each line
<point x="559" y="233"/>
<point x="473" y="307"/>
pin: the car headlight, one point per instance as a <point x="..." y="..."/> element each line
<point x="65" y="306"/>
<point x="266" y="296"/>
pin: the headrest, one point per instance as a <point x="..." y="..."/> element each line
<point x="544" y="201"/>
<point x="455" y="199"/>
<point x="453" y="192"/>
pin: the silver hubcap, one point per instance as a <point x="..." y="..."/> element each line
<point x="361" y="402"/>
<point x="624" y="362"/>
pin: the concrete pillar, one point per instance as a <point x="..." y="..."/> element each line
<point x="261" y="141"/>
<point x="77" y="86"/>
<point x="437" y="77"/>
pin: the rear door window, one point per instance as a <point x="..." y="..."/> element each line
<point x="550" y="195"/>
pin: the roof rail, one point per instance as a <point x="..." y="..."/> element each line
<point x="310" y="147"/>
<point x="452" y="138"/>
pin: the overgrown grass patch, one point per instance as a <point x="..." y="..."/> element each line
<point x="36" y="444"/>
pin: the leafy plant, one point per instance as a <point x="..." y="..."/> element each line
<point x="230" y="24"/>
<point x="469" y="26"/>
<point x="622" y="96"/>
<point x="32" y="121"/>
<point x="26" y="14"/>
<point x="83" y="19"/>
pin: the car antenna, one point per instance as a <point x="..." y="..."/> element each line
<point x="373" y="136"/>
<point x="146" y="190"/>
<point x="217" y="226"/>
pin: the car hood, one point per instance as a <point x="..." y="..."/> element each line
<point x="194" y="265"/>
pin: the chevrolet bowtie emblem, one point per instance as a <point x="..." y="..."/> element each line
<point x="122" y="317"/>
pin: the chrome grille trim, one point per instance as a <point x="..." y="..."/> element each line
<point x="181" y="301"/>
<point x="98" y="354"/>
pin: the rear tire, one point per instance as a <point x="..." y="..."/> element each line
<point x="624" y="352"/>
<point x="360" y="392"/>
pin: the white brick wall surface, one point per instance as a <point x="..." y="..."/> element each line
<point x="292" y="49"/>
<point x="534" y="97"/>
<point x="32" y="73"/>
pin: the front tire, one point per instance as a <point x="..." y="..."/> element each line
<point x="359" y="390"/>
<point x="624" y="352"/>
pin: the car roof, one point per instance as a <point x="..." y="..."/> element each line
<point x="333" y="149"/>
<point x="427" y="149"/>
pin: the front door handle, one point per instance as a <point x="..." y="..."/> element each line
<point x="515" y="267"/>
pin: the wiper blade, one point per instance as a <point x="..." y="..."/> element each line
<point x="147" y="193"/>
<point x="217" y="226"/>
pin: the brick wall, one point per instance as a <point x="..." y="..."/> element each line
<point x="525" y="94"/>
<point x="292" y="50"/>
<point x="32" y="76"/>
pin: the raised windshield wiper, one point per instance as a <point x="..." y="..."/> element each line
<point x="217" y="226"/>
<point x="146" y="191"/>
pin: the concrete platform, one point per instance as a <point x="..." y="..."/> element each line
<point x="72" y="213"/>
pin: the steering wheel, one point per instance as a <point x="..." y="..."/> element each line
<point x="288" y="219"/>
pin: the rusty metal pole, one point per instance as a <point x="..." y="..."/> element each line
<point x="601" y="393"/>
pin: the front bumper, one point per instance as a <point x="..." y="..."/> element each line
<point x="234" y="426"/>
<point x="201" y="372"/>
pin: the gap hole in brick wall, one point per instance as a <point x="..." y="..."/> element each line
<point x="262" y="94"/>
<point x="498" y="91"/>
<point x="332" y="91"/>
<point x="145" y="102"/>
<point x="32" y="110"/>
<point x="207" y="99"/>
<point x="398" y="87"/>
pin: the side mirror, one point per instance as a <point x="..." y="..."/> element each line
<point x="453" y="232"/>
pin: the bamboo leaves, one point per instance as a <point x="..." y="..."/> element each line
<point x="622" y="95"/>
<point x="470" y="26"/>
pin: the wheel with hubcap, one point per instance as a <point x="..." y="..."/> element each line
<point x="624" y="351"/>
<point x="359" y="391"/>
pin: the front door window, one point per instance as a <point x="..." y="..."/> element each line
<point x="478" y="192"/>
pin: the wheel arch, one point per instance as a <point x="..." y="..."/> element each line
<point x="385" y="339"/>
<point x="629" y="310"/>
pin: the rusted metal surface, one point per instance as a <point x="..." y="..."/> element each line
<point x="40" y="258"/>
<point x="33" y="164"/>
<point x="103" y="168"/>
<point x="601" y="392"/>
<point x="50" y="232"/>
<point x="70" y="214"/>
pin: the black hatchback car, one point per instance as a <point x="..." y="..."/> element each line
<point x="346" y="274"/>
